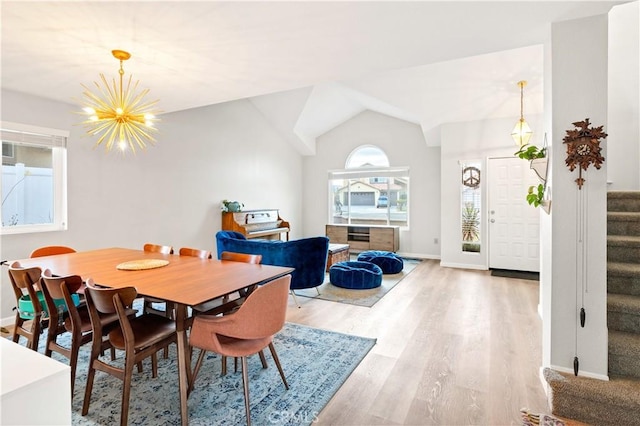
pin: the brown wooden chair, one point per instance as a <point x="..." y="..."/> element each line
<point x="241" y="257"/>
<point x="224" y="305"/>
<point x="26" y="282"/>
<point x="245" y="332"/>
<point x="51" y="250"/>
<point x="202" y="254"/>
<point x="74" y="318"/>
<point x="140" y="337"/>
<point x="149" y="301"/>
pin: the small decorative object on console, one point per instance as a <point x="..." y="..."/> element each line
<point x="231" y="206"/>
<point x="583" y="148"/>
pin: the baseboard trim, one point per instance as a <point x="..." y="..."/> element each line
<point x="463" y="266"/>
<point x="4" y="322"/>
<point x="418" y="255"/>
<point x="580" y="373"/>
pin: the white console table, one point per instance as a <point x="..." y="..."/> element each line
<point x="36" y="390"/>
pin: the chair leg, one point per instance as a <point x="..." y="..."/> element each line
<point x="317" y="291"/>
<point x="224" y="366"/>
<point x="277" y="360"/>
<point x="73" y="359"/>
<point x="263" y="360"/>
<point x="154" y="365"/>
<point x="196" y="370"/>
<point x="90" y="375"/>
<point x="51" y="338"/>
<point x="245" y="382"/>
<point x="126" y="389"/>
<point x="295" y="299"/>
<point x="35" y="334"/>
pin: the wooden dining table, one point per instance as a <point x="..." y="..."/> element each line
<point x="185" y="281"/>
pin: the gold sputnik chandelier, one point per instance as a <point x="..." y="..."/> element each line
<point x="521" y="132"/>
<point x="118" y="114"/>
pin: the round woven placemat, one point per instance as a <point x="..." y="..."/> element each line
<point x="139" y="265"/>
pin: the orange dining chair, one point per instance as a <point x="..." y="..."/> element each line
<point x="241" y="257"/>
<point x="224" y="306"/>
<point x="202" y="254"/>
<point x="30" y="315"/>
<point x="149" y="301"/>
<point x="69" y="313"/>
<point x="51" y="250"/>
<point x="246" y="331"/>
<point x="140" y="337"/>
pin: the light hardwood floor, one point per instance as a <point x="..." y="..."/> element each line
<point x="454" y="347"/>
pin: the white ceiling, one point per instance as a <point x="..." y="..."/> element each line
<point x="400" y="58"/>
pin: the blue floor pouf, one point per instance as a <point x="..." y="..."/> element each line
<point x="355" y="275"/>
<point x="389" y="262"/>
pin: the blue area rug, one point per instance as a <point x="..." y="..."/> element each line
<point x="367" y="297"/>
<point x="315" y="362"/>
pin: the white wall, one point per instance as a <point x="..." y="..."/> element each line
<point x="579" y="91"/>
<point x="405" y="146"/>
<point x="623" y="142"/>
<point x="169" y="194"/>
<point x="475" y="140"/>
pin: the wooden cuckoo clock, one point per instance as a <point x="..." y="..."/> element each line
<point x="583" y="148"/>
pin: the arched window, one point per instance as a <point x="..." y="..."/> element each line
<point x="369" y="190"/>
<point x="367" y="156"/>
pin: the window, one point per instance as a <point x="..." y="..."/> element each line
<point x="33" y="178"/>
<point x="369" y="191"/>
<point x="470" y="206"/>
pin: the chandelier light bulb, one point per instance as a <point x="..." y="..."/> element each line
<point x="118" y="112"/>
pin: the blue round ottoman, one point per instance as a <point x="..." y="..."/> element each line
<point x="355" y="275"/>
<point x="389" y="262"/>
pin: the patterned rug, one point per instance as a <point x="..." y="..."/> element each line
<point x="367" y="297"/>
<point x="316" y="363"/>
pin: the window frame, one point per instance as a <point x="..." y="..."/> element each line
<point x="365" y="173"/>
<point x="55" y="139"/>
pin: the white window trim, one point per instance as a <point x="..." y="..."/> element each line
<point x="59" y="164"/>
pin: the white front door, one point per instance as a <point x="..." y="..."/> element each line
<point x="514" y="225"/>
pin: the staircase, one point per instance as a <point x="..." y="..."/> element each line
<point x="617" y="401"/>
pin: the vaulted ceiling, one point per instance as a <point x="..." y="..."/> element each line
<point x="308" y="65"/>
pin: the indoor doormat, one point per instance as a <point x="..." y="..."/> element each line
<point x="367" y="297"/>
<point x="315" y="362"/>
<point x="523" y="275"/>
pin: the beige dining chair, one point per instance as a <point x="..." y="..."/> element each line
<point x="246" y="331"/>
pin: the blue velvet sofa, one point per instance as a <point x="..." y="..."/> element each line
<point x="307" y="255"/>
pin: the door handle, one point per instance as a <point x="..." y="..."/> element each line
<point x="492" y="221"/>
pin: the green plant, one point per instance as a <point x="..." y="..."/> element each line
<point x="470" y="223"/>
<point x="231" y="206"/>
<point x="402" y="202"/>
<point x="535" y="196"/>
<point x="530" y="152"/>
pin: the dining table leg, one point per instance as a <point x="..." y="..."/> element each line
<point x="184" y="363"/>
